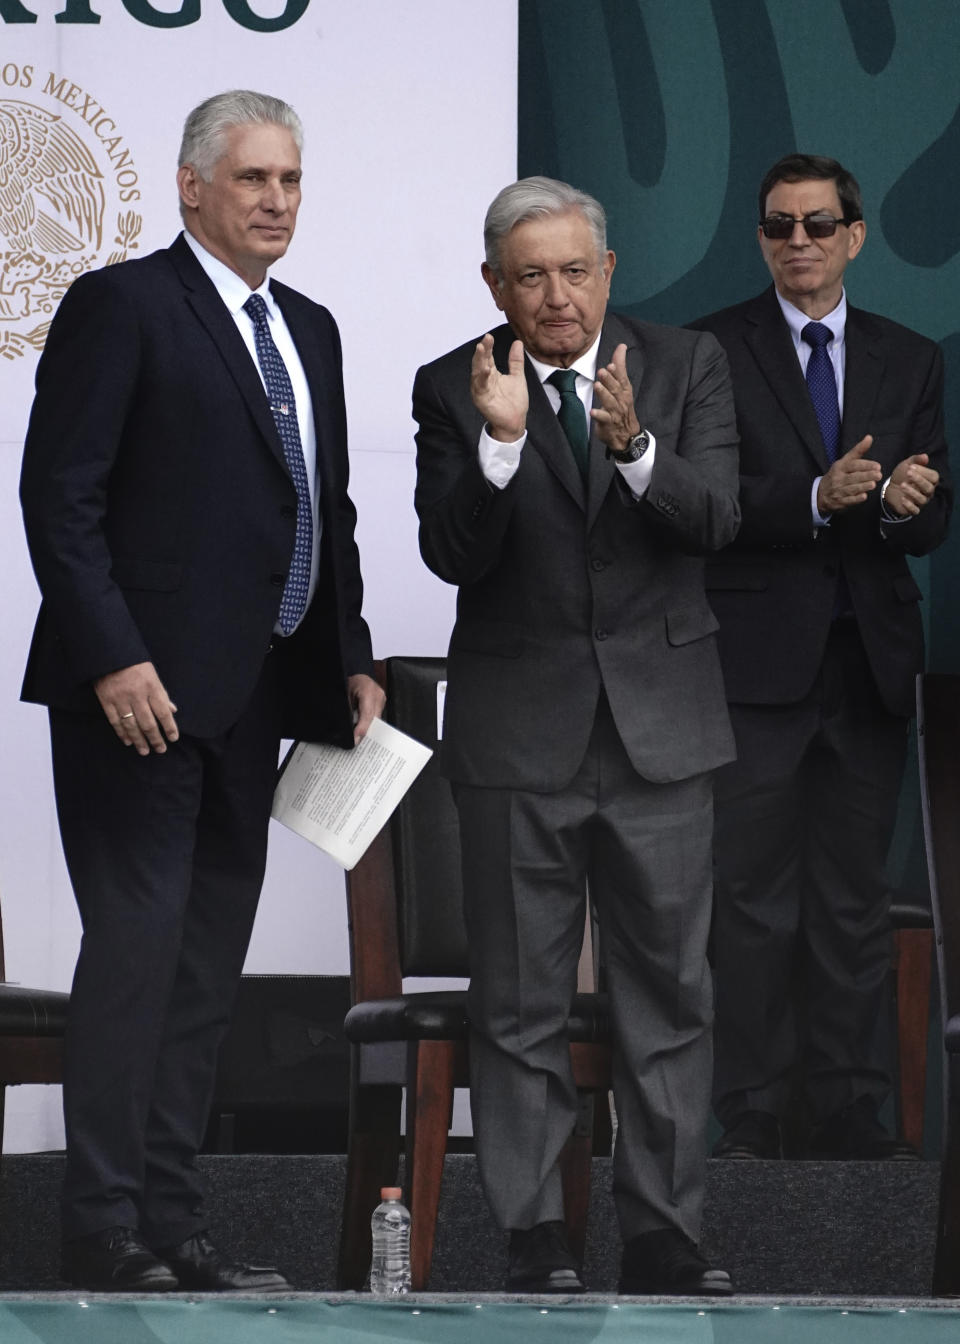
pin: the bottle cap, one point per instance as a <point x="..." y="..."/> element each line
<point x="391" y="1192"/>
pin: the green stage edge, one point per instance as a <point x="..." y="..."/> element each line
<point x="68" y="1320"/>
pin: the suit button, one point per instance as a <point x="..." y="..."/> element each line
<point x="600" y="633"/>
<point x="278" y="580"/>
<point x="596" y="564"/>
<point x="287" y="511"/>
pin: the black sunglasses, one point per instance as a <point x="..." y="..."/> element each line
<point x="819" y="225"/>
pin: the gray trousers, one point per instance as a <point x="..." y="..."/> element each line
<point x="645" y="851"/>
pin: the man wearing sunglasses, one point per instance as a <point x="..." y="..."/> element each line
<point x="842" y="476"/>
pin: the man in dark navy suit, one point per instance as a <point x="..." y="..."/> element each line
<point x="843" y="474"/>
<point x="185" y="495"/>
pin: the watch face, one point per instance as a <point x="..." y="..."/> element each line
<point x="638" y="445"/>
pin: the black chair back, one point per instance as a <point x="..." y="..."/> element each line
<point x="426" y="843"/>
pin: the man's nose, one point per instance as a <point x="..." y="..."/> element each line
<point x="556" y="291"/>
<point x="799" y="237"/>
<point x="273" y="197"/>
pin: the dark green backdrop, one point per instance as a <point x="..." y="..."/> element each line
<point x="670" y="112"/>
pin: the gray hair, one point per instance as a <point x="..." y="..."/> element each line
<point x="535" y="198"/>
<point x="205" y="129"/>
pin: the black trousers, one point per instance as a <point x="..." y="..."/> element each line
<point x="166" y="854"/>
<point x="801" y="928"/>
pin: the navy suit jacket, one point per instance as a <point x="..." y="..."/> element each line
<point x="159" y="511"/>
<point x="774" y="587"/>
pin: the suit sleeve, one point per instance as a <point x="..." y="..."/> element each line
<point x="463" y="518"/>
<point x="86" y="378"/>
<point x="923" y="532"/>
<point x="692" y="494"/>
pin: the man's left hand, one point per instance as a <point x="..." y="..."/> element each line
<point x="368" y="700"/>
<point x="912" y="484"/>
<point x="613" y="411"/>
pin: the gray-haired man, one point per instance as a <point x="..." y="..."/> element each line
<point x="185" y="496"/>
<point x="584" y="715"/>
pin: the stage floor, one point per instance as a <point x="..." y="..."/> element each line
<point x="68" y="1318"/>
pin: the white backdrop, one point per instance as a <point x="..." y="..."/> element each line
<point x="410" y="118"/>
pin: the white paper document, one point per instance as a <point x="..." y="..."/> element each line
<point x="341" y="799"/>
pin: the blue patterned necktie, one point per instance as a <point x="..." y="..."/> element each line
<point x="823" y="386"/>
<point x="572" y="417"/>
<point x="280" y="391"/>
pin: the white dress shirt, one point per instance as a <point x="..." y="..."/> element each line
<point x="234" y="292"/>
<point x="499" y="461"/>
<point x="837" y="351"/>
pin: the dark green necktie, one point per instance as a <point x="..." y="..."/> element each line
<point x="572" y="417"/>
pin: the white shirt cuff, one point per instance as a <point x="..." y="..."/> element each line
<point x="885" y="515"/>
<point x="818" y="518"/>
<point x="499" y="461"/>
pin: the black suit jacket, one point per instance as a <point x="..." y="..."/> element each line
<point x="159" y="510"/>
<point x="774" y="588"/>
<point x="566" y="588"/>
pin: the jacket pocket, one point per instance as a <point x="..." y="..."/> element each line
<point x="685" y="624"/>
<point x="907" y="589"/>
<point x="160" y="576"/>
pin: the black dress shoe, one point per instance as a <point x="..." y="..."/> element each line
<point x="115" y="1260"/>
<point x="856" y="1135"/>
<point x="668" y="1264"/>
<point x="753" y="1135"/>
<point x="199" y="1267"/>
<point x="541" y="1261"/>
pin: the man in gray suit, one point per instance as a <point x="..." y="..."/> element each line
<point x="584" y="714"/>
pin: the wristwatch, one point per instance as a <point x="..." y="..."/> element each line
<point x="635" y="449"/>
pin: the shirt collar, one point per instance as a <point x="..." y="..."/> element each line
<point x="232" y="289"/>
<point x="796" y="320"/>
<point x="585" y="365"/>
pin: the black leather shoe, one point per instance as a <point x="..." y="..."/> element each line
<point x="115" y="1260"/>
<point x="542" y="1262"/>
<point x="199" y="1267"/>
<point x="668" y="1264"/>
<point x="856" y="1135"/>
<point x="753" y="1135"/>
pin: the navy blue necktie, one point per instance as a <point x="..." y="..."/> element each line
<point x="823" y="386"/>
<point x="280" y="391"/>
<point x="572" y="417"/>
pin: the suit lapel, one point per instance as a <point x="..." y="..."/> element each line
<point x="768" y="337"/>
<point x="212" y="313"/>
<point x="602" y="469"/>
<point x="863" y="375"/>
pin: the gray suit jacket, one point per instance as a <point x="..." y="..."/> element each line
<point x="566" y="589"/>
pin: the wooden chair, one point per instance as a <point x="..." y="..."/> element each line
<point x="404" y="912"/>
<point x="938" y="719"/>
<point x="32" y="1023"/>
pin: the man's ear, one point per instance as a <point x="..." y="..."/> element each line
<point x="493" y="283"/>
<point x="187" y="179"/>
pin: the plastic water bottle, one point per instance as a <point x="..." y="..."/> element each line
<point x="390" y="1227"/>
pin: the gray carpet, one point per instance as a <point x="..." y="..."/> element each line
<point x="788" y="1229"/>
